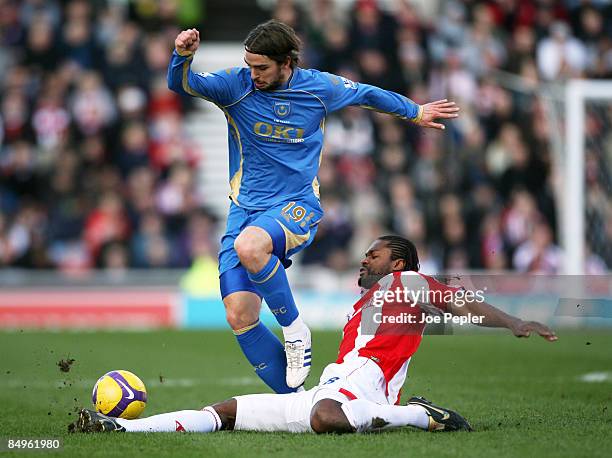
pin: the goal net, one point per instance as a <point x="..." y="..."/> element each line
<point x="586" y="165"/>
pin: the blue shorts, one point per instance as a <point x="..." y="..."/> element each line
<point x="291" y="225"/>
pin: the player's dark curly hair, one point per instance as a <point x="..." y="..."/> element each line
<point x="275" y="40"/>
<point x="402" y="248"/>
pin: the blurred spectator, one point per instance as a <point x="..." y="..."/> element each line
<point x="113" y="257"/>
<point x="149" y="246"/>
<point x="561" y="55"/>
<point x="92" y="105"/>
<point x="521" y="48"/>
<point x="51" y="120"/>
<point x="77" y="44"/>
<point x="481" y="50"/>
<point x="133" y="149"/>
<point x="66" y="204"/>
<point x="203" y="276"/>
<point x="15" y="116"/>
<point x="107" y="222"/>
<point x="41" y="52"/>
<point x="175" y="197"/>
<point x="373" y="29"/>
<point x="492" y="253"/>
<point x="123" y="60"/>
<point x="350" y="133"/>
<point x="538" y="254"/>
<point x="333" y="236"/>
<point x="14" y="241"/>
<point x="518" y="219"/>
<point x="334" y="53"/>
<point x="197" y="239"/>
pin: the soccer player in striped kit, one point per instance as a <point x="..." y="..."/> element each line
<point x="361" y="391"/>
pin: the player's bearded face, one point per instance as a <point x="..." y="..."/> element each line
<point x="376" y="264"/>
<point x="272" y="80"/>
<point x="266" y="73"/>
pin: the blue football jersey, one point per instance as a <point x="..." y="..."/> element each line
<point x="276" y="136"/>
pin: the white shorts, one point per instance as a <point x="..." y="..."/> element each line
<point x="356" y="379"/>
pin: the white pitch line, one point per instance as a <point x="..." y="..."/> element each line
<point x="149" y="383"/>
<point x="173" y="382"/>
<point x="596" y="377"/>
<point x="240" y="381"/>
<point x="67" y="383"/>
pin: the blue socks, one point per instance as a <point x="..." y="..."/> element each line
<point x="265" y="352"/>
<point x="271" y="282"/>
<point x="259" y="345"/>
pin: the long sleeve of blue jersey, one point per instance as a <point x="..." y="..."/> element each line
<point x="221" y="88"/>
<point x="342" y="92"/>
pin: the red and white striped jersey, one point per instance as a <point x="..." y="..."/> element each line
<point x="386" y="324"/>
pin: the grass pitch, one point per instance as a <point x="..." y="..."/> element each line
<point x="524" y="397"/>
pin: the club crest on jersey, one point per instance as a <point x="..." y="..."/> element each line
<point x="282" y="109"/>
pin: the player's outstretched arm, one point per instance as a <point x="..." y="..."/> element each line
<point x="341" y="92"/>
<point x="433" y="111"/>
<point x="495" y="318"/>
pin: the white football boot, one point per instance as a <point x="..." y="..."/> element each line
<point x="298" y="353"/>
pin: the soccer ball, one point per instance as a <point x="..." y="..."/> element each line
<point x="120" y="394"/>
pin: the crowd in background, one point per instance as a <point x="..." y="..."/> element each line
<point x="483" y="194"/>
<point x="96" y="171"/>
<point x="95" y="168"/>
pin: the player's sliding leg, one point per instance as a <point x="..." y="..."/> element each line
<point x="255" y="249"/>
<point x="440" y="418"/>
<point x="329" y="415"/>
<point x="256" y="412"/>
<point x="294" y="413"/>
<point x="206" y="420"/>
<point x="262" y="348"/>
<point x="285" y="412"/>
<point x="368" y="416"/>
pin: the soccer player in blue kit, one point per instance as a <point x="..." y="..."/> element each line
<point x="276" y="114"/>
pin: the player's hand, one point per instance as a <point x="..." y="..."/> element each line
<point x="522" y="328"/>
<point x="440" y="109"/>
<point x="187" y="41"/>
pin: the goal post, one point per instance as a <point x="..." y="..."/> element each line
<point x="573" y="228"/>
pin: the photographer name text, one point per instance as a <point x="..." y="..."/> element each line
<point x="407" y="318"/>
